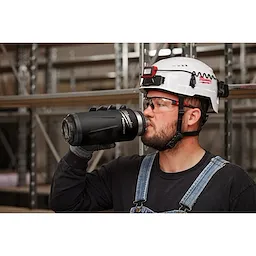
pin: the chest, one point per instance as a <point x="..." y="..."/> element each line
<point x="165" y="195"/>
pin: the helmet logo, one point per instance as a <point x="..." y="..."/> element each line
<point x="204" y="80"/>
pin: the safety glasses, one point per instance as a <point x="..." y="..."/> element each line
<point x="162" y="104"/>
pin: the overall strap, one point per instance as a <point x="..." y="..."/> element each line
<point x="201" y="181"/>
<point x="143" y="179"/>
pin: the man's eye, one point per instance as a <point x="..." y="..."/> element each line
<point x="161" y="104"/>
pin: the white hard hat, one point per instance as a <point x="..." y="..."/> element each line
<point x="182" y="75"/>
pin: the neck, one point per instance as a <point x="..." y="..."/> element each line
<point x="186" y="154"/>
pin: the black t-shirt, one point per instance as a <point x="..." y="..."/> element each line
<point x="113" y="187"/>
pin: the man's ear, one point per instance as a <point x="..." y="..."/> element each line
<point x="193" y="116"/>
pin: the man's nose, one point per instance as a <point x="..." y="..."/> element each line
<point x="148" y="111"/>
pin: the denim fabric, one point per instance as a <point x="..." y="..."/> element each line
<point x="190" y="197"/>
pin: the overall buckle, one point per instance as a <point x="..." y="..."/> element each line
<point x="184" y="208"/>
<point x="138" y="205"/>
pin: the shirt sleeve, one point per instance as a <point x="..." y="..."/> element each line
<point x="73" y="189"/>
<point x="246" y="200"/>
<point x="242" y="191"/>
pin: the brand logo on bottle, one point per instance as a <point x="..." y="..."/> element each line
<point x="126" y="120"/>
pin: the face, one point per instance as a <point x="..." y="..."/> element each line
<point x="161" y="112"/>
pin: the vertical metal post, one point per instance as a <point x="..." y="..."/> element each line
<point x="48" y="71"/>
<point x="193" y="50"/>
<point x="244" y="131"/>
<point x="228" y="103"/>
<point x="21" y="60"/>
<point x="142" y="65"/>
<point x="189" y="50"/>
<point x="50" y="87"/>
<point x="137" y="47"/>
<point x="251" y="149"/>
<point x="243" y="62"/>
<point x="125" y="65"/>
<point x="72" y="80"/>
<point x="118" y="83"/>
<point x="51" y="74"/>
<point x="146" y="53"/>
<point x="33" y="179"/>
<point x="118" y="65"/>
<point x="243" y="148"/>
<point x="72" y="73"/>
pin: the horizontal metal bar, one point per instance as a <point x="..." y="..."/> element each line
<point x="107" y="76"/>
<point x="70" y="99"/>
<point x="12" y="47"/>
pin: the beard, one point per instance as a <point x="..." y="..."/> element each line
<point x="160" y="139"/>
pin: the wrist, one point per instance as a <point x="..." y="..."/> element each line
<point x="75" y="161"/>
<point x="81" y="152"/>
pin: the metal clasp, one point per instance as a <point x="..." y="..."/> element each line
<point x="184" y="208"/>
<point x="138" y="205"/>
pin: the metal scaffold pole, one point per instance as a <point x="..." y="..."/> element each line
<point x="125" y="65"/>
<point x="22" y="75"/>
<point x="142" y="64"/>
<point x="189" y="50"/>
<point x="118" y="83"/>
<point x="228" y="103"/>
<point x="50" y="87"/>
<point x="244" y="129"/>
<point x="33" y="176"/>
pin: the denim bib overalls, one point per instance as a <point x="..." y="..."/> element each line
<point x="190" y="197"/>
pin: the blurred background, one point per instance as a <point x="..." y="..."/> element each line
<point x="41" y="83"/>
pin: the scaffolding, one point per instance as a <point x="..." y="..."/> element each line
<point x="35" y="106"/>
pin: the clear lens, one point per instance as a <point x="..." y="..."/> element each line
<point x="159" y="103"/>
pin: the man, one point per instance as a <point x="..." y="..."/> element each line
<point x="180" y="176"/>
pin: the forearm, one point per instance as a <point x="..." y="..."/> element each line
<point x="68" y="185"/>
<point x="73" y="189"/>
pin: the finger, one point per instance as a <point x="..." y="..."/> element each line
<point x="102" y="108"/>
<point x="122" y="107"/>
<point x="92" y="109"/>
<point x="111" y="107"/>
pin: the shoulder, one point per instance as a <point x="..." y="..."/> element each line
<point x="230" y="169"/>
<point x="242" y="188"/>
<point x="238" y="174"/>
<point x="235" y="176"/>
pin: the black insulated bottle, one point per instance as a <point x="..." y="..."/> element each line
<point x="103" y="126"/>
